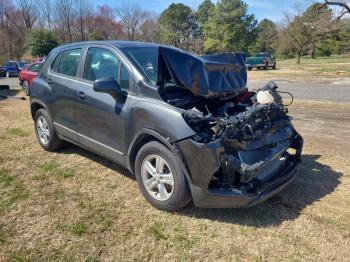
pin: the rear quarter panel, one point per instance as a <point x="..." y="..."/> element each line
<point x="41" y="91"/>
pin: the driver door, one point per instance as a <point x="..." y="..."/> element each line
<point x="100" y="118"/>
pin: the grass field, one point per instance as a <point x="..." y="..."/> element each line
<point x="76" y="206"/>
<point x="334" y="66"/>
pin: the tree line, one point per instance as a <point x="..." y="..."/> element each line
<point x="34" y="27"/>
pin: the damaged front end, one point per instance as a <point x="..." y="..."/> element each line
<point x="245" y="148"/>
<point x="244" y="151"/>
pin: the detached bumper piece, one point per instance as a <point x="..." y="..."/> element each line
<point x="228" y="174"/>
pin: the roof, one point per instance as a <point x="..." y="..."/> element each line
<point x="116" y="43"/>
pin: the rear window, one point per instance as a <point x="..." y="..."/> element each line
<point x="68" y="62"/>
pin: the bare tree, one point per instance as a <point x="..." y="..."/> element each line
<point x="343" y="3"/>
<point x="103" y="25"/>
<point x="29" y="13"/>
<point x="65" y="16"/>
<point x="297" y="34"/>
<point x="131" y="17"/>
<point x="12" y="30"/>
<point x="149" y="29"/>
<point x="306" y="29"/>
<point x="83" y="10"/>
<point x="46" y="7"/>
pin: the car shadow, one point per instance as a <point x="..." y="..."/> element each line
<point x="74" y="149"/>
<point x="314" y="181"/>
<point x="6" y="92"/>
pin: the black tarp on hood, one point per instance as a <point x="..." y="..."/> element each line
<point x="207" y="76"/>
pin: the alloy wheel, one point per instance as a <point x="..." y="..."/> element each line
<point x="157" y="177"/>
<point x="43" y="130"/>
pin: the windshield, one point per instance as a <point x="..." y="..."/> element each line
<point x="145" y="59"/>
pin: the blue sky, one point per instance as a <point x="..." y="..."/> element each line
<point x="271" y="9"/>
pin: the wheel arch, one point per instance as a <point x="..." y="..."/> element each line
<point x="147" y="135"/>
<point x="35" y="105"/>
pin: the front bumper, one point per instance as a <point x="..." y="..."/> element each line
<point x="235" y="199"/>
<point x="264" y="171"/>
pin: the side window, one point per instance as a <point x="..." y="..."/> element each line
<point x="55" y="64"/>
<point x="34" y="68"/>
<point x="69" y="62"/>
<point x="101" y="63"/>
<point x="124" y="78"/>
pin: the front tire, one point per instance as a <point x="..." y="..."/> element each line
<point x="160" y="177"/>
<point x="45" y="132"/>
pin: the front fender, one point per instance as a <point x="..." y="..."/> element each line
<point x="157" y="116"/>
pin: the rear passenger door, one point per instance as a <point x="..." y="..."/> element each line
<point x="100" y="118"/>
<point x="63" y="81"/>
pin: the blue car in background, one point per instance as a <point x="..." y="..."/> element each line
<point x="12" y="68"/>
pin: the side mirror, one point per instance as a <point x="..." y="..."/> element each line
<point x="109" y="85"/>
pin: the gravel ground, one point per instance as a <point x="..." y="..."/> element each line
<point x="337" y="90"/>
<point x="13" y="82"/>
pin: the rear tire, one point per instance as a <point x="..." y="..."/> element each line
<point x="274" y="66"/>
<point x="45" y="133"/>
<point x="160" y="177"/>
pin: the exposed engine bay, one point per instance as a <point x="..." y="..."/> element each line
<point x="244" y="118"/>
<point x="250" y="137"/>
<point x="244" y="145"/>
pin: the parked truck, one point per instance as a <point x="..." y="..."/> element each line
<point x="261" y="61"/>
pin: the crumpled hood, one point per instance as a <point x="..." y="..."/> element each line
<point x="207" y="76"/>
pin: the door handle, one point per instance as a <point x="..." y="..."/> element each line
<point x="81" y="95"/>
<point x="49" y="81"/>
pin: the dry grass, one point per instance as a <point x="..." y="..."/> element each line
<point x="334" y="67"/>
<point x="74" y="205"/>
